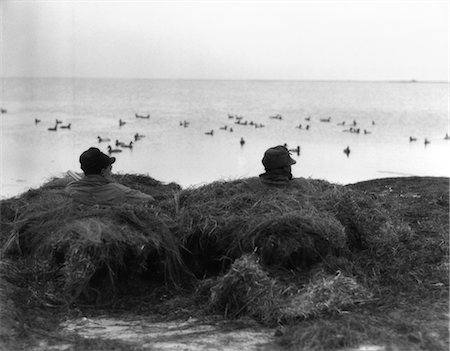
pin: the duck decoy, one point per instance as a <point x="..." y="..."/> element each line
<point x="141" y="116"/>
<point x="447" y="137"/>
<point x="129" y="145"/>
<point x="230" y="116"/>
<point x="366" y="132"/>
<point x="53" y="129"/>
<point x="307" y="118"/>
<point x="411" y="139"/>
<point x="296" y="150"/>
<point x="231" y="130"/>
<point x="211" y="132"/>
<point x="347" y="151"/>
<point x="426" y="141"/>
<point x="354" y="123"/>
<point x="325" y="119"/>
<point x="36" y="121"/>
<point x="111" y="150"/>
<point x="119" y="143"/>
<point x="299" y="126"/>
<point x="138" y="136"/>
<point x="307" y="127"/>
<point x="121" y="123"/>
<point x="3" y="110"/>
<point x="100" y="139"/>
<point x="277" y="116"/>
<point x="66" y="126"/>
<point x="341" y="123"/>
<point x="224" y="127"/>
<point x="242" y="141"/>
<point x="58" y="121"/>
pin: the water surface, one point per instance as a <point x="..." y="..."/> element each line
<point x="390" y="112"/>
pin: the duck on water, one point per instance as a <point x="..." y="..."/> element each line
<point x="296" y="150"/>
<point x="101" y="140"/>
<point x="111" y="150"/>
<point x="129" y="145"/>
<point x="347" y="151"/>
<point x="138" y="136"/>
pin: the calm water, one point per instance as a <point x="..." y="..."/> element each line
<point x="31" y="154"/>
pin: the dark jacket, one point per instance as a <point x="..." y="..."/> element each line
<point x="96" y="189"/>
<point x="276" y="177"/>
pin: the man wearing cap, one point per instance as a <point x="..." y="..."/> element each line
<point x="97" y="187"/>
<point x="277" y="162"/>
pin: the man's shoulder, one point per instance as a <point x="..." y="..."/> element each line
<point x="129" y="192"/>
<point x="118" y="186"/>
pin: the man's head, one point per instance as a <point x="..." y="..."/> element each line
<point x="277" y="157"/>
<point x="93" y="161"/>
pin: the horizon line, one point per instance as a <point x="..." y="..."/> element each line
<point x="241" y="79"/>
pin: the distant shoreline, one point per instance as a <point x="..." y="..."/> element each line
<point x="411" y="81"/>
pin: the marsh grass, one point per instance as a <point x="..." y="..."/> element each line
<point x="313" y="257"/>
<point x="247" y="289"/>
<point x="92" y="241"/>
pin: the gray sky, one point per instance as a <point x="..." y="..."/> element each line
<point x="324" y="40"/>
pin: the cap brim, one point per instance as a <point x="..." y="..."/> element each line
<point x="292" y="161"/>
<point x="112" y="160"/>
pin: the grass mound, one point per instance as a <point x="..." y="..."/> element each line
<point x="309" y="252"/>
<point x="325" y="294"/>
<point x="248" y="289"/>
<point x="296" y="239"/>
<point x="93" y="247"/>
<point x="291" y="227"/>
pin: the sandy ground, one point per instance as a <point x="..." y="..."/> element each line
<point x="188" y="335"/>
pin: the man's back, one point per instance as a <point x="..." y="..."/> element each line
<point x="96" y="189"/>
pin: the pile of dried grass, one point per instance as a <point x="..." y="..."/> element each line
<point x="292" y="227"/>
<point x="247" y="289"/>
<point x="296" y="239"/>
<point x="271" y="253"/>
<point x="367" y="222"/>
<point x="323" y="295"/>
<point x="94" y="247"/>
<point x="10" y="313"/>
<point x="310" y="224"/>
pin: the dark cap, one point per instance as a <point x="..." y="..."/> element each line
<point x="277" y="157"/>
<point x="93" y="161"/>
